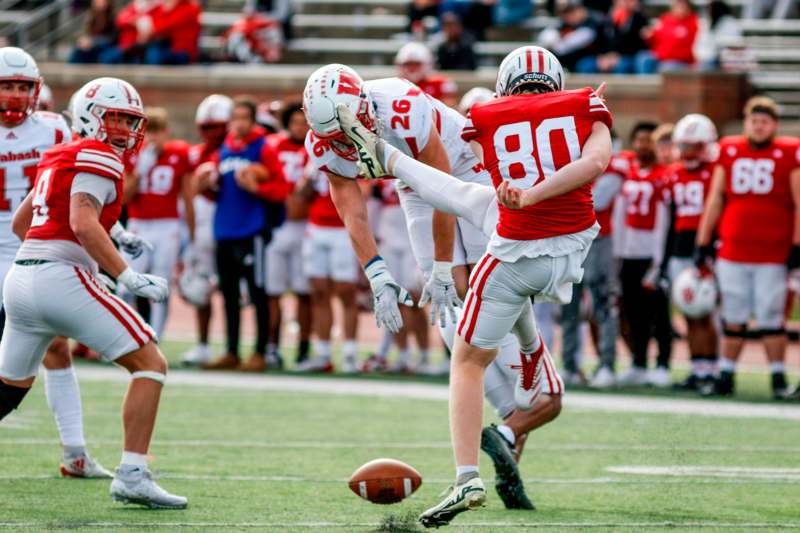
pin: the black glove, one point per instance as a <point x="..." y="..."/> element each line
<point x="704" y="255"/>
<point x="793" y="263"/>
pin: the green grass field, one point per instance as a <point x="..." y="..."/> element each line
<point x="252" y="459"/>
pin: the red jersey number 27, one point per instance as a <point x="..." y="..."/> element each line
<point x="40" y="209"/>
<point x="519" y="159"/>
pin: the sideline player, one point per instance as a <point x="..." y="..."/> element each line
<point x="688" y="182"/>
<point x="212" y="118"/>
<point x="543" y="232"/>
<point x="755" y="199"/>
<point x="26" y="134"/>
<point x="284" y="253"/>
<point x="414" y="62"/>
<point x="52" y="289"/>
<point x="160" y="181"/>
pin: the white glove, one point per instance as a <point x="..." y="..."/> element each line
<point x="148" y="286"/>
<point x="131" y="243"/>
<point x="440" y="290"/>
<point x="387" y="294"/>
<point x="106" y="282"/>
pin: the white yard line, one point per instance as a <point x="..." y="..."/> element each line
<point x="398" y="445"/>
<point x="371" y="525"/>
<point x="584" y="401"/>
<point x="734" y="472"/>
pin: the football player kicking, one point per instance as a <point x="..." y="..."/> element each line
<point x="26" y="134"/>
<point x="52" y="288"/>
<point x="552" y="143"/>
<point x="424" y="129"/>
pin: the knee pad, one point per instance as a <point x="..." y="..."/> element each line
<point x="10" y="398"/>
<point x="149" y="374"/>
<point x="771" y="332"/>
<point x="737" y="333"/>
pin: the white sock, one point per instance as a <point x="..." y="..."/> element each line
<point x="526" y="330"/>
<point x="424" y="357"/>
<point x="776" y="367"/>
<point x="507" y="433"/>
<point x="350" y="349"/>
<point x="322" y="349"/>
<point x="469" y="469"/>
<point x="727" y="365"/>
<point x="133" y="459"/>
<point x="404" y="356"/>
<point x="64" y="399"/>
<point x="474" y="202"/>
<point x="272" y="347"/>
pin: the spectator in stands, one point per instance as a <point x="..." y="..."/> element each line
<point x="254" y="38"/>
<point x="578" y="39"/>
<point x="278" y="10"/>
<point x="417" y="11"/>
<point x="718" y="30"/>
<point x="128" y="48"/>
<point x="456" y="52"/>
<point x="99" y="33"/>
<point x="625" y="43"/>
<point x="672" y="39"/>
<point x="250" y="189"/>
<point x="511" y="12"/>
<point x="171" y="33"/>
<point x="781" y="9"/>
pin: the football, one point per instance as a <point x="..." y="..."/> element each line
<point x="385" y="481"/>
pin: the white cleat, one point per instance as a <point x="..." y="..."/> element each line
<point x="369" y="146"/>
<point x="633" y="377"/>
<point x="199" y="355"/>
<point x="465" y="497"/>
<point x="137" y="487"/>
<point x="529" y="381"/>
<point x="350" y="366"/>
<point x="604" y="378"/>
<point x="442" y="368"/>
<point x="659" y="377"/>
<point x="317" y="364"/>
<point x="83" y="466"/>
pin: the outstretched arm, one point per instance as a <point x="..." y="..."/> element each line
<point x="352" y="208"/>
<point x="592" y="162"/>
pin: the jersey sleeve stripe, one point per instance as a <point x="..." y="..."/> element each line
<point x="86" y="154"/>
<point x="97" y="166"/>
<point x="112" y="163"/>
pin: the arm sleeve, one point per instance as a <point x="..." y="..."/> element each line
<point x="102" y="189"/>
<point x="605" y="190"/>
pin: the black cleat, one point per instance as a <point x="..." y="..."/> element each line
<point x="691" y="383"/>
<point x="780" y="390"/>
<point x="724" y="384"/>
<point x="508" y="482"/>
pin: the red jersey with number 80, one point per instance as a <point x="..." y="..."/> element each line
<point x="160" y="182"/>
<point x="757" y="223"/>
<point x="527" y="138"/>
<point x="52" y="188"/>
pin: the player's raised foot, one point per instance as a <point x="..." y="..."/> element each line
<point x="198" y="355"/>
<point x="529" y="381"/>
<point x="369" y="146"/>
<point x="317" y="364"/>
<point x="136" y="486"/>
<point x="604" y="378"/>
<point x="226" y="361"/>
<point x="508" y="483"/>
<point x="465" y="497"/>
<point x="83" y="466"/>
<point x="633" y="377"/>
<point x="255" y="363"/>
<point x="659" y="377"/>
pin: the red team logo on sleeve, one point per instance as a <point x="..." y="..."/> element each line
<point x="527" y="138"/>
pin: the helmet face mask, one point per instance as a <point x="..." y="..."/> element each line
<point x="696" y="139"/>
<point x="123" y="130"/>
<point x="17" y="102"/>
<point x="414" y="62"/>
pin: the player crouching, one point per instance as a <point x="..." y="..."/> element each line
<point x="52" y="290"/>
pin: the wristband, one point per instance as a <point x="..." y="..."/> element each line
<point x="443" y="270"/>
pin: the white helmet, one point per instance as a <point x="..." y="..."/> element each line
<point x="414" y="61"/>
<point x="696" y="129"/>
<point x="529" y="64"/>
<point x="96" y="108"/>
<point x="327" y="87"/>
<point x="694" y="293"/>
<point x="215" y="108"/>
<point x="17" y="65"/>
<point x="46" y="101"/>
<point x="196" y="287"/>
<point x="474" y="96"/>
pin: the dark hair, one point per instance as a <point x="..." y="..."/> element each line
<point x="716" y="10"/>
<point x="290" y="109"/>
<point x="645" y="125"/>
<point x="249" y="103"/>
